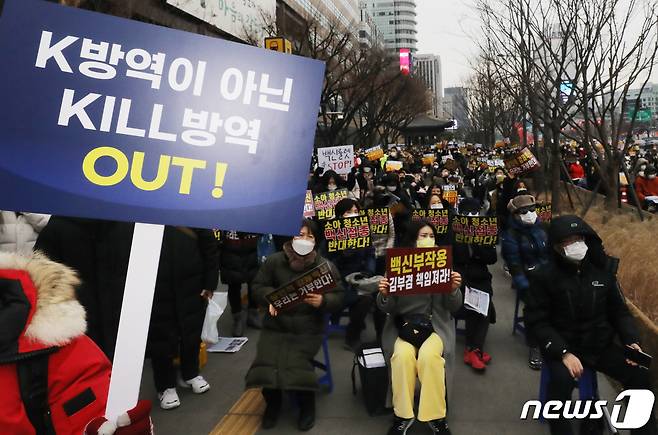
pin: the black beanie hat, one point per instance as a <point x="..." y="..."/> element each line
<point x="469" y="205"/>
<point x="563" y="227"/>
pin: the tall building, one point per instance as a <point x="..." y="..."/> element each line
<point x="455" y="106"/>
<point x="346" y="13"/>
<point x="428" y="68"/>
<point x="648" y="102"/>
<point x="396" y="20"/>
<point x="369" y="34"/>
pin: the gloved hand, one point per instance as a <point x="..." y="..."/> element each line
<point x="136" y="421"/>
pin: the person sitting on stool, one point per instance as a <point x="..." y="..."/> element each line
<point x="576" y="309"/>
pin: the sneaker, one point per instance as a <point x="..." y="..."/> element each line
<point x="401" y="426"/>
<point x="485" y="357"/>
<point x="534" y="359"/>
<point x="254" y="319"/>
<point x="439" y="427"/>
<point x="199" y="385"/>
<point x="169" y="399"/>
<point x="238" y="324"/>
<point x="472" y="358"/>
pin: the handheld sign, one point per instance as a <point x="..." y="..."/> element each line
<point x="309" y="210"/>
<point x="121" y="120"/>
<point x="379" y="222"/>
<point x="439" y="218"/>
<point x="545" y="212"/>
<point x="393" y="165"/>
<point x="522" y="163"/>
<point x="475" y="230"/>
<point x="347" y="234"/>
<point x="324" y="203"/>
<point x="413" y="271"/>
<point x="339" y="159"/>
<point x="374" y="153"/>
<point x="317" y="280"/>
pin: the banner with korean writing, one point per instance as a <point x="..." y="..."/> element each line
<point x="522" y="162"/>
<point x="379" y="223"/>
<point x="317" y="280"/>
<point x="309" y="209"/>
<point x="374" y="153"/>
<point x="116" y="119"/>
<point x="393" y="165"/>
<point x="428" y="158"/>
<point x="412" y="271"/>
<point x="545" y="212"/>
<point x="475" y="230"/>
<point x="347" y="234"/>
<point x="324" y="203"/>
<point x="339" y="159"/>
<point x="439" y="218"/>
<point x="450" y="194"/>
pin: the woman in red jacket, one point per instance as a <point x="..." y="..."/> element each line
<point x="55" y="379"/>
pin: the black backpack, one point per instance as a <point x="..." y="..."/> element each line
<point x="374" y="380"/>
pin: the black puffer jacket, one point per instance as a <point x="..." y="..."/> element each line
<point x="577" y="307"/>
<point x="471" y="262"/>
<point x="238" y="257"/>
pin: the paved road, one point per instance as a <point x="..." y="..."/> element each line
<point x="487" y="403"/>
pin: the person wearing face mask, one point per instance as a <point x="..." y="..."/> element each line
<point x="290" y="339"/>
<point x="472" y="262"/>
<point x="524" y="248"/>
<point x="348" y="263"/>
<point x="646" y="186"/>
<point x="329" y="182"/>
<point x="578" y="313"/>
<point x="402" y="210"/>
<point x="434" y="360"/>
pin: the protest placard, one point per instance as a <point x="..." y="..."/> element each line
<point x="428" y="158"/>
<point x="325" y="202"/>
<point x="317" y="280"/>
<point x="545" y="212"/>
<point x="439" y="218"/>
<point x="339" y="159"/>
<point x="522" y="162"/>
<point x="117" y="119"/>
<point x="475" y="230"/>
<point x="309" y="209"/>
<point x="451" y="165"/>
<point x="392" y="166"/>
<point x="374" y="153"/>
<point x="347" y="234"/>
<point x="450" y="194"/>
<point x="379" y="223"/>
<point x="412" y="271"/>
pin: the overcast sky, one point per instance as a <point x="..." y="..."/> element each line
<point x="448" y="28"/>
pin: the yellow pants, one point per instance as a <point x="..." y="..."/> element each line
<point x="430" y="367"/>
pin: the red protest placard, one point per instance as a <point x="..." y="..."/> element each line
<point x="413" y="271"/>
<point x="309" y="209"/>
<point x="316" y="280"/>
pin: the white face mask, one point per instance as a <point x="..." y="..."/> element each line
<point x="652" y="176"/>
<point x="351" y="215"/>
<point x="473" y="214"/>
<point x="529" y="218"/>
<point x="331" y="187"/>
<point x="391" y="188"/>
<point x="423" y="170"/>
<point x="437" y="206"/>
<point x="302" y="246"/>
<point x="640" y="174"/>
<point x="366" y="170"/>
<point x="643" y="167"/>
<point x="575" y="251"/>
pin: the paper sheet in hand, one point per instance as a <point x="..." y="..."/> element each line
<point x="477" y="300"/>
<point x="228" y="345"/>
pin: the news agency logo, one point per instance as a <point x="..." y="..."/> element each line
<point x="638" y="410"/>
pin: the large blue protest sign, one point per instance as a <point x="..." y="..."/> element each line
<point x="109" y="118"/>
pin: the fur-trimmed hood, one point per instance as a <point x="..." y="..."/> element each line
<point x="38" y="306"/>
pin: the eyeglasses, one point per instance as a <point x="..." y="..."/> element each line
<point x="524" y="210"/>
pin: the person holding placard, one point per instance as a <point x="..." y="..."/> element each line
<point x="432" y="362"/>
<point x="472" y="262"/>
<point x="290" y="339"/>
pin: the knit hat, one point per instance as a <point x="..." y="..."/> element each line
<point x="520" y="202"/>
<point x="563" y="227"/>
<point x="469" y="205"/>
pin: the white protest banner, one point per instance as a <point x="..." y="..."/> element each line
<point x="339" y="159"/>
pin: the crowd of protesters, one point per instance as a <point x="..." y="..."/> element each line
<point x="575" y="309"/>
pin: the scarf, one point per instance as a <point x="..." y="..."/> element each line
<point x="297" y="262"/>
